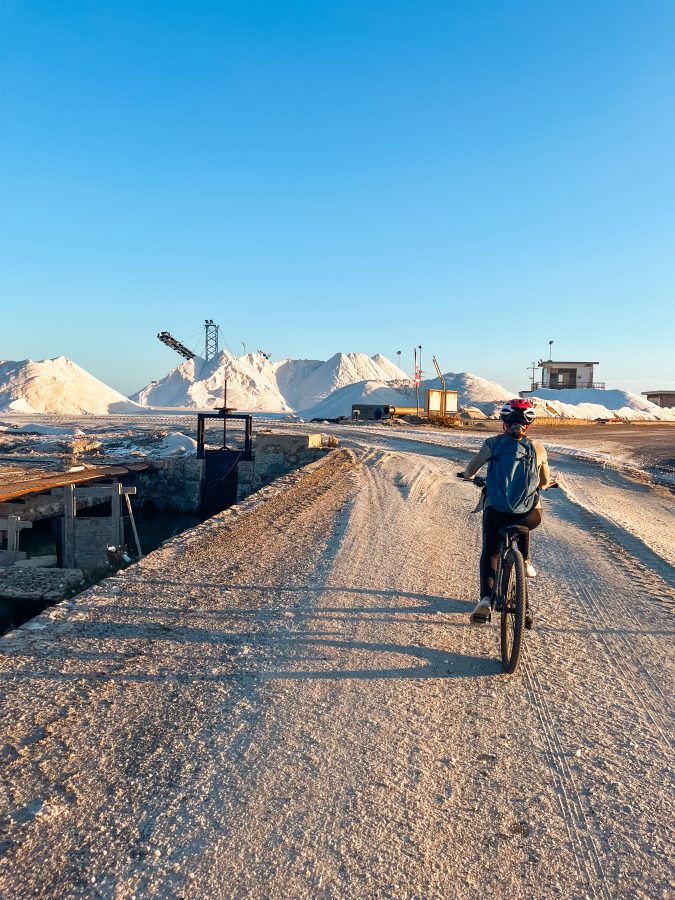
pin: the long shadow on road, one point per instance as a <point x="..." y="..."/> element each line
<point x="278" y="635"/>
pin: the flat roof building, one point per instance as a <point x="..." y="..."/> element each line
<point x="664" y="399"/>
<point x="567" y="375"/>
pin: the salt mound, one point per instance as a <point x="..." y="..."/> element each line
<point x="339" y="403"/>
<point x="178" y="444"/>
<point x="471" y="388"/>
<point x="257" y="384"/>
<point x="593" y="403"/>
<point x="57" y="386"/>
<point x="198" y="384"/>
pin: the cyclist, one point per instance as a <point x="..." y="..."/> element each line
<point x="516" y="415"/>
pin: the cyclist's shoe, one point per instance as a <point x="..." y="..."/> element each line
<point x="530" y="570"/>
<point x="481" y="613"/>
<point x="529" y="619"/>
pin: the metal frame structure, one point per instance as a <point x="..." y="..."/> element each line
<point x="166" y="338"/>
<point x="211" y="339"/>
<point x="225" y="414"/>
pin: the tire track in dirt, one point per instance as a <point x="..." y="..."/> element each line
<point x="575" y="673"/>
<point x="585" y="849"/>
<point x="600" y="609"/>
<point x="605" y="603"/>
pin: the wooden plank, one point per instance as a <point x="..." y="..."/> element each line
<point x="48" y="482"/>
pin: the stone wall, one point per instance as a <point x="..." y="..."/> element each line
<point x="91" y="539"/>
<point x="278" y="454"/>
<point x="172" y="484"/>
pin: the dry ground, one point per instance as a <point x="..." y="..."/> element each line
<point x="288" y="701"/>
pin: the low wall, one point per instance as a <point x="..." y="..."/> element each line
<point x="91" y="538"/>
<point x="172" y="484"/>
<point x="278" y="454"/>
<point x="176" y="484"/>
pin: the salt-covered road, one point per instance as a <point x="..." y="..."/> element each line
<point x="289" y="702"/>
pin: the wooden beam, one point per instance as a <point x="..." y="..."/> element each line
<point x="116" y="515"/>
<point x="103" y="490"/>
<point x="4" y="523"/>
<point x="69" y="513"/>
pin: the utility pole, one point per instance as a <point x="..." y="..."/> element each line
<point x="398" y="354"/>
<point x="442" y="380"/>
<point x="550" y="350"/>
<point x="533" y="367"/>
<point x="417" y="382"/>
<point x="243" y="344"/>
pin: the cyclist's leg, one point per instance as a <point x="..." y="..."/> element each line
<point x="488" y="565"/>
<point x="531" y="520"/>
<point x="492" y="522"/>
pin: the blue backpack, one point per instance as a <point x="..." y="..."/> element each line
<point x="512" y="479"/>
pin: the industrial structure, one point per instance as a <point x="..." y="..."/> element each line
<point x="211" y="331"/>
<point x="166" y="338"/>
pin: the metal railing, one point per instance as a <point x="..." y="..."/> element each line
<point x="561" y="387"/>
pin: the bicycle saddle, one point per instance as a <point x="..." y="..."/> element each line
<point x="513" y="529"/>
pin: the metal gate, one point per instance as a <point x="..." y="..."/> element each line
<point x="221" y="478"/>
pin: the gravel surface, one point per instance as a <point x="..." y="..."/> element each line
<point x="288" y="701"/>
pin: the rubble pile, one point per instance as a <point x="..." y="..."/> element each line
<point x="48" y="585"/>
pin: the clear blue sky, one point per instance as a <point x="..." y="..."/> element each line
<point x="477" y="177"/>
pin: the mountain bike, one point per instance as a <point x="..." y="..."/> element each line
<point x="509" y="592"/>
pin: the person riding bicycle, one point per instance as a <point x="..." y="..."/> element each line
<point x="516" y="467"/>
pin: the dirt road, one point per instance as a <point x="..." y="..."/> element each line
<point x="289" y="701"/>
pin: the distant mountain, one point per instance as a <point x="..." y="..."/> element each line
<point x="57" y="386"/>
<point x="257" y="384"/>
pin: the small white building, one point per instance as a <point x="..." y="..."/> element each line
<point x="567" y="375"/>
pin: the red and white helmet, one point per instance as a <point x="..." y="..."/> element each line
<point x="517" y="412"/>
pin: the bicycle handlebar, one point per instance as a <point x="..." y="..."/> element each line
<point x="479" y="481"/>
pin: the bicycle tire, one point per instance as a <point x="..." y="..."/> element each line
<point x="514" y="604"/>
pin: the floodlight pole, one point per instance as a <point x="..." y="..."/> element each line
<point x="417" y="384"/>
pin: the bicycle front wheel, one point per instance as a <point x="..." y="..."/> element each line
<point x="514" y="603"/>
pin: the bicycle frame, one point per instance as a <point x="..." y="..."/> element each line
<point x="507" y="543"/>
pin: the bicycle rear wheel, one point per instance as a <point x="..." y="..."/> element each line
<point x="514" y="603"/>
